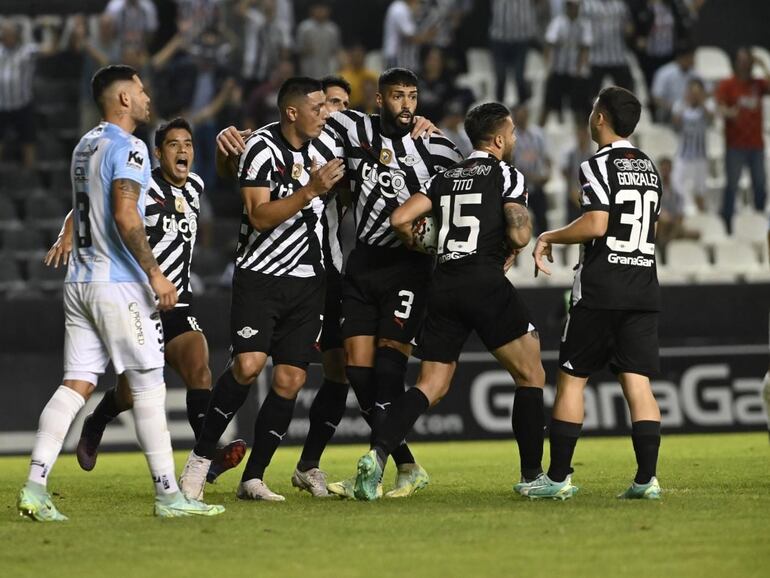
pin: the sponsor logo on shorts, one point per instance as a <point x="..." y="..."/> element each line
<point x="616" y="259"/>
<point x="247" y="332"/>
<point x="136" y="322"/>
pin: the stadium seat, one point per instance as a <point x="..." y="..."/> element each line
<point x="43" y="277"/>
<point x="657" y="141"/>
<point x="479" y="61"/>
<point x="669" y="276"/>
<point x="10" y="276"/>
<point x="8" y="216"/>
<point x="24" y="243"/>
<point x="712" y="63"/>
<point x="44" y="210"/>
<point x="711" y="227"/>
<point x="687" y="257"/>
<point x="522" y="274"/>
<point x="736" y="257"/>
<point x="750" y="226"/>
<point x="571" y="255"/>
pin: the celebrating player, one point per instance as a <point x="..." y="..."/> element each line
<point x="615" y="297"/>
<point x="385" y="284"/>
<point x="479" y="207"/>
<point x="110" y="309"/>
<point x="278" y="285"/>
<point x="171" y="219"/>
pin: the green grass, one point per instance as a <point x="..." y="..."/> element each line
<point x="714" y="519"/>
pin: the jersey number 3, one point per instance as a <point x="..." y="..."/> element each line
<point x="639" y="220"/>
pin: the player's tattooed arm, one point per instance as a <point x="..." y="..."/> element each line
<point x="125" y="196"/>
<point x="402" y="219"/>
<point x="519" y="226"/>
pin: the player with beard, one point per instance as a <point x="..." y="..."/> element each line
<point x="480" y="209"/>
<point x="385" y="284"/>
<point x="172" y="209"/>
<point x="112" y="293"/>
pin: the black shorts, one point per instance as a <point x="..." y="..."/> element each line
<point x="478" y="299"/>
<point x="22" y="121"/>
<point x="626" y="340"/>
<point x="279" y="316"/>
<point x="557" y="86"/>
<point x="331" y="336"/>
<point x="384" y="291"/>
<point x="178" y="321"/>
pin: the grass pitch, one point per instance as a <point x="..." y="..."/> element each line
<point x="714" y="519"/>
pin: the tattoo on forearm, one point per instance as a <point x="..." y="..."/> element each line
<point x="136" y="241"/>
<point x="128" y="189"/>
<point x="516" y="216"/>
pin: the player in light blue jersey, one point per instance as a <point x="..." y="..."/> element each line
<point x="110" y="309"/>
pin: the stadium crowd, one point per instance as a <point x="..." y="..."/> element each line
<point x="220" y="63"/>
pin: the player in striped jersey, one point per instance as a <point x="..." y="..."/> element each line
<point x="385" y="284"/>
<point x="278" y="285"/>
<point x="172" y="208"/>
<point x="112" y="293"/>
<point x="480" y="209"/>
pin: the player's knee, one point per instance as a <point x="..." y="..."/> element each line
<point x="198" y="377"/>
<point x="288" y="380"/>
<point x="144" y="380"/>
<point x="246" y="368"/>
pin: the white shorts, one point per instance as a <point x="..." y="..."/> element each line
<point x="689" y="176"/>
<point x="111" y="321"/>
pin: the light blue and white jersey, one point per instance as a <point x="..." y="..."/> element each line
<point x="104" y="154"/>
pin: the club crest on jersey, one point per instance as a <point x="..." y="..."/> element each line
<point x="409" y="160"/>
<point x="247" y="332"/>
<point x="296" y="171"/>
<point x="135" y="160"/>
<point x="386" y="156"/>
<point x="179" y="204"/>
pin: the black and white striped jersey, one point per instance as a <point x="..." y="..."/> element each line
<point x="330" y="220"/>
<point x="294" y="247"/>
<point x="468" y="201"/>
<point x="385" y="172"/>
<point x="608" y="23"/>
<point x="513" y="21"/>
<point x="618" y="270"/>
<point x="171" y="220"/>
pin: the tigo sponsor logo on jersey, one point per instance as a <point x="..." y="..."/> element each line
<point x="391" y="182"/>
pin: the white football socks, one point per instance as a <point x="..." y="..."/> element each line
<point x="54" y="423"/>
<point x="152" y="432"/>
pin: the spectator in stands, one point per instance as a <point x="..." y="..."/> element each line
<point x="261" y="103"/>
<point x="401" y="37"/>
<point x="568" y="40"/>
<point x="453" y="126"/>
<point x="318" y="42"/>
<point x="531" y="158"/>
<point x="570" y="168"/>
<point x="671" y="218"/>
<point x="659" y="25"/>
<point x="18" y="59"/>
<point x="436" y="86"/>
<point x="691" y="117"/>
<point x="267" y="41"/>
<point x="447" y="17"/>
<point x="359" y="76"/>
<point x="670" y="83"/>
<point x="512" y="31"/>
<point x="740" y="103"/>
<point x="611" y="27"/>
<point x="201" y="14"/>
<point x="132" y="24"/>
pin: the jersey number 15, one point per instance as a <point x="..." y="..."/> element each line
<point x="453" y="216"/>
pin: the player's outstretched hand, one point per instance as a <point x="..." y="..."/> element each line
<point x="323" y="178"/>
<point x="423" y="127"/>
<point x="165" y="290"/>
<point x="231" y="141"/>
<point x="59" y="253"/>
<point x="542" y="249"/>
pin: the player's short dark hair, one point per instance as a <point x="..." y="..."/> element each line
<point x="163" y="130"/>
<point x="397" y="77"/>
<point x="297" y="86"/>
<point x="622" y="109"/>
<point x="106" y="77"/>
<point x="484" y="120"/>
<point x="328" y="81"/>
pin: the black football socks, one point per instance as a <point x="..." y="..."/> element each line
<point x="399" y="422"/>
<point x="390" y="372"/>
<point x="106" y="411"/>
<point x="226" y="399"/>
<point x="197" y="405"/>
<point x="646" y="439"/>
<point x="325" y="415"/>
<point x="270" y="427"/>
<point x="564" y="436"/>
<point x="528" y="427"/>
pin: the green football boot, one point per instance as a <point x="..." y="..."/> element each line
<point x="409" y="479"/>
<point x="177" y="506"/>
<point x="344" y="488"/>
<point x="35" y="503"/>
<point x="649" y="491"/>
<point x="368" y="478"/>
<point x="545" y="488"/>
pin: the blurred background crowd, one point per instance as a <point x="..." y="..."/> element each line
<point x="220" y="62"/>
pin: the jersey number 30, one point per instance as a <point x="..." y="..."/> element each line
<point x="638" y="219"/>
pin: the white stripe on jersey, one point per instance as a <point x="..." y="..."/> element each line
<point x="597" y="187"/>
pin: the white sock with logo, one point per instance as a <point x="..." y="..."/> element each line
<point x="54" y="423"/>
<point x="152" y="432"/>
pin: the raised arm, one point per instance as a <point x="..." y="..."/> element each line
<point x="125" y="197"/>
